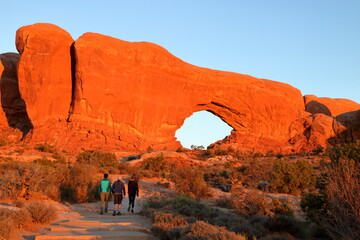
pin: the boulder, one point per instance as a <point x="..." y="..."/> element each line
<point x="329" y="106"/>
<point x="44" y="72"/>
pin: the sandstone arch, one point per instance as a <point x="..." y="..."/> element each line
<point x="202" y="128"/>
<point x="100" y="92"/>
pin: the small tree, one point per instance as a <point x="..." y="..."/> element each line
<point x="292" y="178"/>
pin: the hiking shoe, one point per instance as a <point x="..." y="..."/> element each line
<point x="132" y="210"/>
<point x="114" y="213"/>
<point x="105" y="210"/>
<point x="129" y="209"/>
<point x="119" y="213"/>
<point x="101" y="213"/>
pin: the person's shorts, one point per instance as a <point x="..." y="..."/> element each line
<point x="118" y="198"/>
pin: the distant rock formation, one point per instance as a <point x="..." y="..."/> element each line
<point x="329" y="106"/>
<point x="104" y="93"/>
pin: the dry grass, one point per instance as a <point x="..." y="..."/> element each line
<point x="206" y="231"/>
<point x="343" y="194"/>
<point x="41" y="213"/>
<point x="12" y="221"/>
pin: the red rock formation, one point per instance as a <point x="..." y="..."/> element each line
<point x="44" y="72"/>
<point x="128" y="96"/>
<point x="12" y="104"/>
<point x="329" y="106"/>
<point x="147" y="93"/>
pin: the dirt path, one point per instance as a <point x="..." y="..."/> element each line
<point x="87" y="223"/>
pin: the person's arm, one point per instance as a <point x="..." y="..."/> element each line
<point x="109" y="187"/>
<point x="124" y="189"/>
<point x="137" y="188"/>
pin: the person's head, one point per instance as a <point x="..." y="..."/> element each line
<point x="133" y="177"/>
<point x="106" y="175"/>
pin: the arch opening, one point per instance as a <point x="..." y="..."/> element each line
<point x="202" y="129"/>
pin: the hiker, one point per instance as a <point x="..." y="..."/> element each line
<point x="133" y="191"/>
<point x="118" y="189"/>
<point x="104" y="190"/>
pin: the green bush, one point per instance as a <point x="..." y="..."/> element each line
<point x="292" y="178"/>
<point x="97" y="158"/>
<point x="189" y="181"/>
<point x="155" y="164"/>
<point x="345" y="151"/>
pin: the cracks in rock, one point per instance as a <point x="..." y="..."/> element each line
<point x="73" y="82"/>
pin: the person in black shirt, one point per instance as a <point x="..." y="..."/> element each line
<point x="133" y="191"/>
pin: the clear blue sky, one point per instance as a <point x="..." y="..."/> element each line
<point x="313" y="45"/>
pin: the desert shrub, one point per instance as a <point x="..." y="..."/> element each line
<point x="41" y="213"/>
<point x="97" y="158"/>
<point x="18" y="203"/>
<point x="342" y="219"/>
<point x="44" y="161"/>
<point x="288" y="224"/>
<point x="203" y="230"/>
<point x="19" y="179"/>
<point x="59" y="158"/>
<point x="206" y="154"/>
<point x="192" y="210"/>
<point x="292" y="178"/>
<point x="6" y="223"/>
<point x="179" y="149"/>
<point x="313" y="205"/>
<point x="80" y="184"/>
<point x="167" y="221"/>
<point x="149" y="149"/>
<point x="345" y="151"/>
<point x="44" y="147"/>
<point x="155" y="164"/>
<point x="2" y="142"/>
<point x="281" y="208"/>
<point x="223" y="202"/>
<point x="257" y="170"/>
<point x="250" y="203"/>
<point x="336" y="208"/>
<point x="190" y="181"/>
<point x="221" y="152"/>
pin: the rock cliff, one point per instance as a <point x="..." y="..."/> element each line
<point x="100" y="92"/>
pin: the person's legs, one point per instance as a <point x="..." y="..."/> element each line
<point x="102" y="199"/>
<point x="133" y="202"/>
<point x="130" y="202"/>
<point x="114" y="213"/>
<point x="106" y="201"/>
<point x="119" y="205"/>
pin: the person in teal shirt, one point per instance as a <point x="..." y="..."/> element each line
<point x="104" y="190"/>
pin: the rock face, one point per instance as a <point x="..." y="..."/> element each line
<point x="14" y="111"/>
<point x="147" y="93"/>
<point x="104" y="93"/>
<point x="44" y="72"/>
<point x="329" y="106"/>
